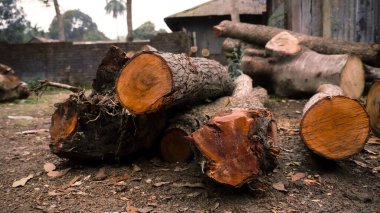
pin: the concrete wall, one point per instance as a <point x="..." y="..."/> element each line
<point x="75" y="63"/>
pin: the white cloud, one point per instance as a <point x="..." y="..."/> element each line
<point x="142" y="11"/>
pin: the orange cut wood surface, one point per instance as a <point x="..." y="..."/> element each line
<point x="335" y="127"/>
<point x="373" y="107"/>
<point x="143" y="83"/>
<point x="175" y="147"/>
<point x="63" y="122"/>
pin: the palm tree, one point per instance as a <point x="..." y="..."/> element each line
<point x="116" y="8"/>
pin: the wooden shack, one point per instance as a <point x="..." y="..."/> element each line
<point x="198" y="21"/>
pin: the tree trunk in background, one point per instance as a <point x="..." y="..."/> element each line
<point x="129" y="21"/>
<point x="294" y="71"/>
<point x="151" y="81"/>
<point x="260" y="35"/>
<point x="373" y="107"/>
<point x="61" y="25"/>
<point x="334" y="126"/>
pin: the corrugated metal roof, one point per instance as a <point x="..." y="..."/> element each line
<point x="222" y="7"/>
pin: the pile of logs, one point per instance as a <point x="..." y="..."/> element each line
<point x="186" y="106"/>
<point x="334" y="124"/>
<point x="11" y="87"/>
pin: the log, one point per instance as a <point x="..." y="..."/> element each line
<point x="291" y="70"/>
<point x="260" y="35"/>
<point x="238" y="145"/>
<point x="373" y="107"/>
<point x="371" y="73"/>
<point x="205" y="53"/>
<point x="97" y="128"/>
<point x="11" y="87"/>
<point x="151" y="81"/>
<point x="334" y="126"/>
<point x="175" y="144"/>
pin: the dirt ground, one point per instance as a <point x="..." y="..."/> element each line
<point x="150" y="185"/>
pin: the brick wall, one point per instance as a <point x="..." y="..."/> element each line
<point x="75" y="63"/>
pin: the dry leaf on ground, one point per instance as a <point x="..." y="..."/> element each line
<point x="298" y="176"/>
<point x="279" y="186"/>
<point x="22" y="181"/>
<point x="48" y="167"/>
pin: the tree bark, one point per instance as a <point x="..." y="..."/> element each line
<point x="61" y="35"/>
<point x="334" y="126"/>
<point x="129" y="20"/>
<point x="11" y="87"/>
<point x="238" y="145"/>
<point x="97" y="128"/>
<point x="294" y="71"/>
<point x="373" y="107"/>
<point x="371" y="73"/>
<point x="151" y="81"/>
<point x="260" y="35"/>
<point x="175" y="144"/>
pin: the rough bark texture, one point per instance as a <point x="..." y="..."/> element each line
<point x="11" y="87"/>
<point x="238" y="145"/>
<point x="334" y="126"/>
<point x="260" y="35"/>
<point x="153" y="80"/>
<point x="373" y="107"/>
<point x="294" y="71"/>
<point x="175" y="145"/>
<point x="97" y="128"/>
<point x="108" y="70"/>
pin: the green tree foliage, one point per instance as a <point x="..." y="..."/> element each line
<point x="115" y="7"/>
<point x="14" y="28"/>
<point x="146" y="31"/>
<point x="78" y="27"/>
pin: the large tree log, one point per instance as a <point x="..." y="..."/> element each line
<point x="11" y="87"/>
<point x="151" y="81"/>
<point x="373" y="107"/>
<point x="260" y="35"/>
<point x="238" y="145"/>
<point x="293" y="71"/>
<point x="175" y="144"/>
<point x="97" y="127"/>
<point x="371" y="73"/>
<point x="334" y="126"/>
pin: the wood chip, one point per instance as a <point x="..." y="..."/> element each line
<point x="279" y="186"/>
<point x="298" y="176"/>
<point x="101" y="175"/>
<point x="48" y="167"/>
<point x="160" y="184"/>
<point x="362" y="164"/>
<point x="22" y="181"/>
<point x="310" y="182"/>
<point x="189" y="185"/>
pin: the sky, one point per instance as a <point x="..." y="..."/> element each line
<point x="142" y="10"/>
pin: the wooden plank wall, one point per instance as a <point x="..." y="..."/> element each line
<point x="351" y="20"/>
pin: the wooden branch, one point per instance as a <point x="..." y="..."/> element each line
<point x="46" y="83"/>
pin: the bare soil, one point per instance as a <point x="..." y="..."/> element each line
<point x="150" y="185"/>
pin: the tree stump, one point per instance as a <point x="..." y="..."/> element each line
<point x="175" y="144"/>
<point x="151" y="81"/>
<point x="238" y="145"/>
<point x="334" y="126"/>
<point x="373" y="107"/>
<point x="97" y="128"/>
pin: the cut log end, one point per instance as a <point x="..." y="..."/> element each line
<point x="175" y="146"/>
<point x="63" y="124"/>
<point x="352" y="79"/>
<point x="143" y="83"/>
<point x="238" y="145"/>
<point x="373" y="107"/>
<point x="335" y="127"/>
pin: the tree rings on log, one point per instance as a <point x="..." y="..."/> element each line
<point x="334" y="127"/>
<point x="151" y="81"/>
